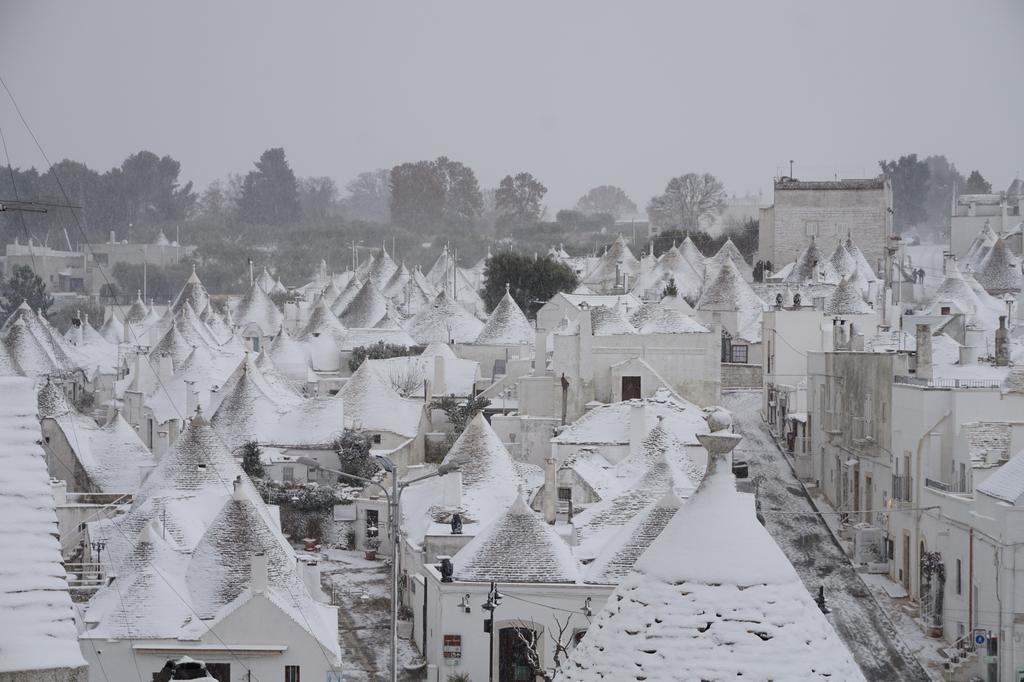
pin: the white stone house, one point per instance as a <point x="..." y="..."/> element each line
<point x="199" y="567"/>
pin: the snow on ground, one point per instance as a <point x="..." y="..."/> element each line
<point x="361" y="589"/>
<point x="819" y="560"/>
<point x="928" y="257"/>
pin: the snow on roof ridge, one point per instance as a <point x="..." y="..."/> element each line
<point x="36" y="614"/>
<point x="444" y="320"/>
<point x="999" y="272"/>
<point x="322" y="321"/>
<point x="52" y="401"/>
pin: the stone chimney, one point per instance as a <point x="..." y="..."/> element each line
<point x="637" y="425"/>
<point x="550" y="490"/>
<point x="113" y="236"/>
<point x="1002" y="343"/>
<point x="439" y="384"/>
<point x="258" y="581"/>
<point x="924" y="351"/>
<point x="719" y="445"/>
<point x="838" y="335"/>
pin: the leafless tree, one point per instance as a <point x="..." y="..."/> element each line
<point x="690" y="202"/>
<point x="561" y="641"/>
<point x="406" y="378"/>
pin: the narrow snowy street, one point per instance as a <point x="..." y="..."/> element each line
<point x="810" y="546"/>
<point x="360" y="589"/>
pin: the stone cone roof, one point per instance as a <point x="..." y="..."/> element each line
<point x="507" y="325"/>
<point x="366" y="308"/>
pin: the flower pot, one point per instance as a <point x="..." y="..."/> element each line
<point x="370" y="554"/>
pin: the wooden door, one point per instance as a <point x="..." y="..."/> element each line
<point x="630" y="388"/>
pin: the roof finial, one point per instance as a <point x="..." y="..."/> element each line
<point x="506" y="287"/>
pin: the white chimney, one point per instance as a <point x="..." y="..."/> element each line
<point x="550" y="490"/>
<point x="258" y="581"/>
<point x="451" y="490"/>
<point x="113" y="237"/>
<point x="160" y="443"/>
<point x="191" y="399"/>
<point x="586" y="350"/>
<point x="439" y="384"/>
<point x="540" y="352"/>
<point x="637" y="425"/>
<point x="165" y="367"/>
<point x="59" y="490"/>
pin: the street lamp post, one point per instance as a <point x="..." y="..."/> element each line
<point x="393" y="498"/>
<point x="493" y="600"/>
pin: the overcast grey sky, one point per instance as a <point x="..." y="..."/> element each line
<point x="578" y="93"/>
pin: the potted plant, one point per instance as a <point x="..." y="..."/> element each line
<point x="372" y="545"/>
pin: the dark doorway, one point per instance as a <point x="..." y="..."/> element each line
<point x="514" y="653"/>
<point x="219" y="671"/>
<point x="630" y="388"/>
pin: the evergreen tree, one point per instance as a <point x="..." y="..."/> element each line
<point x="251" y="463"/>
<point x="270" y="194"/>
<point x="530" y="281"/>
<point x="23" y="285"/>
<point x="353" y="448"/>
<point x="909" y="179"/>
<point x="977" y="184"/>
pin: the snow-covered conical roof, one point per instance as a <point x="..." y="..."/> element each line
<point x="174" y="345"/>
<point x="621" y="551"/>
<point x="507" y="325"/>
<point x="216" y="324"/>
<point x="864" y="269"/>
<point x="193" y="328"/>
<point x="615" y="262"/>
<point x="980" y="246"/>
<point x="221" y="564"/>
<point x="197" y="460"/>
<point x="692" y="608"/>
<point x="1000" y="272"/>
<point x="194" y="293"/>
<point x="489" y="478"/>
<point x="397" y="282"/>
<point x="323" y="322"/>
<point x="111" y="454"/>
<point x="28" y="352"/>
<point x="518" y="547"/>
<point x="607" y="321"/>
<point x="138" y="311"/>
<point x="954" y="289"/>
<point x="113" y="330"/>
<point x="667" y="319"/>
<point x="265" y="281"/>
<point x="842" y="260"/>
<point x="693" y="255"/>
<point x="380" y="269"/>
<point x="811" y="266"/>
<point x="444" y="320"/>
<point x="365" y="309"/>
<point x="289" y="357"/>
<point x="355" y="285"/>
<point x="51" y="401"/>
<point x="257" y="309"/>
<point x="846" y="299"/>
<point x="330" y="293"/>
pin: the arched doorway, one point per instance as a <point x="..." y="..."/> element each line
<point x="519" y="646"/>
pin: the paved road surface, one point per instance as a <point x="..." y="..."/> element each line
<point x="818" y="559"/>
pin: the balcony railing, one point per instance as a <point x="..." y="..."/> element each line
<point x="944" y="383"/>
<point x="902" y="486"/>
<point x="964" y="487"/>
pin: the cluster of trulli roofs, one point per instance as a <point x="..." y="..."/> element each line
<point x="585" y="490"/>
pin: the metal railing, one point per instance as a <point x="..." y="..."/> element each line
<point x="945" y="383"/>
<point x="962" y="487"/>
<point x="85" y="576"/>
<point x="902" y="486"/>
